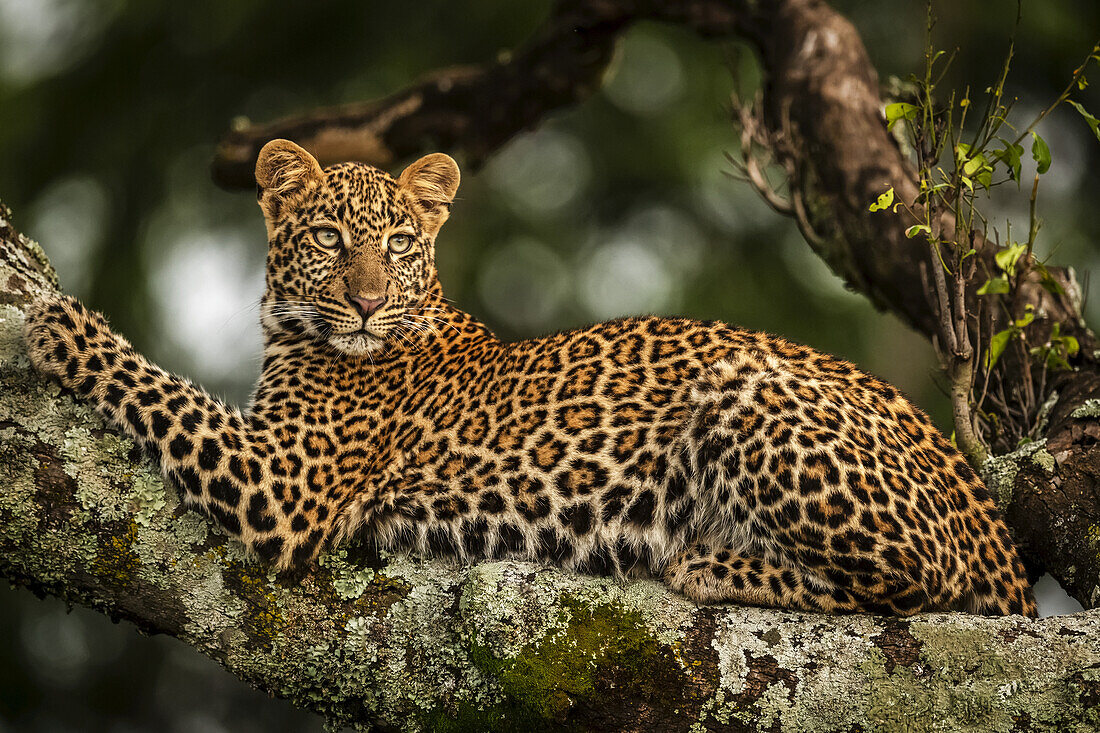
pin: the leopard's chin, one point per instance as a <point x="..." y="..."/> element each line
<point x="359" y="343"/>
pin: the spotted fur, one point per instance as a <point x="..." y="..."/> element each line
<point x="734" y="465"/>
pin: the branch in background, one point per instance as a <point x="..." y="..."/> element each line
<point x="405" y="644"/>
<point x="473" y="109"/>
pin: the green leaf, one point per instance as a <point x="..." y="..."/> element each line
<point x="994" y="286"/>
<point x="936" y="187"/>
<point x="1025" y="320"/>
<point x="1048" y="282"/>
<point x="884" y="201"/>
<point x="1040" y="152"/>
<point x="900" y="111"/>
<point x="1008" y="257"/>
<point x="917" y="229"/>
<point x="1052" y="287"/>
<point x="997" y="346"/>
<point x="1010" y="155"/>
<point x="1055" y="362"/>
<point x="974" y="165"/>
<point x="1092" y="121"/>
<point x="1069" y="344"/>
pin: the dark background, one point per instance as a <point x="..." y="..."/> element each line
<point x="109" y="111"/>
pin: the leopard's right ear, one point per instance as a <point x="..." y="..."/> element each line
<point x="284" y="171"/>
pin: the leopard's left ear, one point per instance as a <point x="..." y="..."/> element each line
<point x="284" y="172"/>
<point x="431" y="183"/>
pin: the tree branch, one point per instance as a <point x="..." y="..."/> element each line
<point x="472" y="110"/>
<point x="407" y="644"/>
<point x="475" y="109"/>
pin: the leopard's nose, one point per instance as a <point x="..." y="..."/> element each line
<point x="366" y="306"/>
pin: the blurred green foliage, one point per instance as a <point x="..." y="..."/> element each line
<point x="109" y="112"/>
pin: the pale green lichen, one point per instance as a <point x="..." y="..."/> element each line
<point x="349" y="581"/>
<point x="29" y="250"/>
<point x="1044" y="460"/>
<point x="211" y="610"/>
<point x="1088" y="409"/>
<point x="147" y="497"/>
<point x="999" y="472"/>
<point x="987" y="673"/>
<point x="512" y="601"/>
<point x="97" y="484"/>
<point x="591" y="647"/>
<point x="419" y="631"/>
<point x="745" y="637"/>
<point x="13" y="357"/>
<point x="17" y="467"/>
<point x="972" y="674"/>
<point x="1042" y="417"/>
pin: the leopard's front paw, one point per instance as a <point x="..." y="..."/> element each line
<point x="61" y="335"/>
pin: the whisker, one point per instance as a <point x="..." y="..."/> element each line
<point x="433" y="294"/>
<point x="434" y="319"/>
<point x="399" y="332"/>
<point x="229" y="318"/>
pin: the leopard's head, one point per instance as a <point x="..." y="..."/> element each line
<point x="351" y="254"/>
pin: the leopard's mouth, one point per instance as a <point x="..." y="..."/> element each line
<point x="357" y="343"/>
<point x="315" y="320"/>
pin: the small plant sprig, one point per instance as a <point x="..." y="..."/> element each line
<point x="959" y="162"/>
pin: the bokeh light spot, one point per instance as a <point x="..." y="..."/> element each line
<point x="646" y="76"/>
<point x="540" y="172"/>
<point x="524" y="284"/>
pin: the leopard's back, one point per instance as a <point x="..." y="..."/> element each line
<point x="621" y="447"/>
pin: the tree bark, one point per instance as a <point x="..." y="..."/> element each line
<point x="405" y="643"/>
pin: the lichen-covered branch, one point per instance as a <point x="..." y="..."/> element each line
<point x="404" y="643"/>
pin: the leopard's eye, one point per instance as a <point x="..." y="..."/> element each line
<point x="327" y="238"/>
<point x="399" y="244"/>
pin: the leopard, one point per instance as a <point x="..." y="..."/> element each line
<point x="732" y="465"/>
